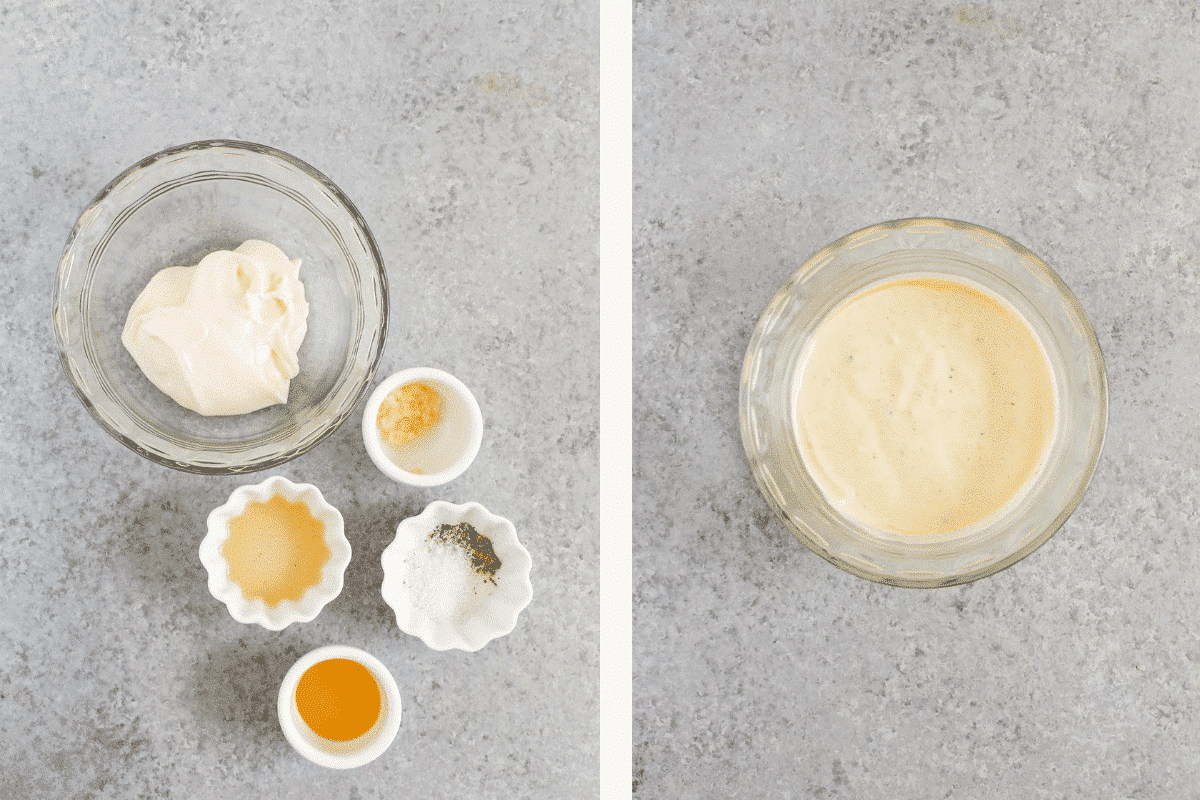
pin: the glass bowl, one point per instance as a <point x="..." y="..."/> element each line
<point x="891" y="250"/>
<point x="172" y="209"/>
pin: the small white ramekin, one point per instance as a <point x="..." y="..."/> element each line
<point x="498" y="614"/>
<point x="255" y="610"/>
<point x="326" y="752"/>
<point x="441" y="454"/>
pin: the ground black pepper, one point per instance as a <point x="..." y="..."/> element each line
<point x="464" y="535"/>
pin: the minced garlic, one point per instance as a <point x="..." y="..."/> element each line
<point x="408" y="412"/>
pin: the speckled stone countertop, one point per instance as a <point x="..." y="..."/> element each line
<point x="465" y="133"/>
<point x="763" y="132"/>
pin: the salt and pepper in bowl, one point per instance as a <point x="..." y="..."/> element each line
<point x="456" y="576"/>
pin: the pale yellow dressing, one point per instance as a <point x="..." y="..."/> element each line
<point x="924" y="405"/>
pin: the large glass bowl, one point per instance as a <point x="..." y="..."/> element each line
<point x="890" y="250"/>
<point x="172" y="209"/>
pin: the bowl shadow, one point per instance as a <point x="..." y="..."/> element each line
<point x="371" y="528"/>
<point x="160" y="545"/>
<point x="235" y="689"/>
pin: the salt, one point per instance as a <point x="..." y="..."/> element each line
<point x="443" y="582"/>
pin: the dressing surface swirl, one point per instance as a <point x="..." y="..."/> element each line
<point x="924" y="405"/>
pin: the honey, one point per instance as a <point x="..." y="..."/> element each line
<point x="408" y="411"/>
<point x="276" y="550"/>
<point x="339" y="699"/>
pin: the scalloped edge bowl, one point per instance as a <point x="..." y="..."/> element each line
<point x="499" y="615"/>
<point x="256" y="610"/>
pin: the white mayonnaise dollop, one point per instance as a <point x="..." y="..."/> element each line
<point x="222" y="337"/>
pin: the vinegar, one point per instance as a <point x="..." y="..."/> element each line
<point x="276" y="550"/>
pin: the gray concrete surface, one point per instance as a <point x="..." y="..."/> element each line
<point x="763" y="131"/>
<point x="466" y="135"/>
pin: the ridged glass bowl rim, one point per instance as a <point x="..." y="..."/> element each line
<point x="197" y="463"/>
<point x="767" y="485"/>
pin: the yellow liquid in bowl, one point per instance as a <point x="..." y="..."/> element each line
<point x="276" y="550"/>
<point x="339" y="699"/>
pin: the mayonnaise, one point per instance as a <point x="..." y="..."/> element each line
<point x="924" y="405"/>
<point x="222" y="337"/>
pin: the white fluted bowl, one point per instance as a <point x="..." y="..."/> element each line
<point x="255" y="610"/>
<point x="466" y="623"/>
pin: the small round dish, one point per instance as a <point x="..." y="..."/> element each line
<point x="255" y="610"/>
<point x="452" y="599"/>
<point x="439" y="455"/>
<point x="172" y="209"/>
<point x="958" y="251"/>
<point x="328" y="752"/>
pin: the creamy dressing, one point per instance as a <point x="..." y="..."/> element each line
<point x="222" y="337"/>
<point x="924" y="405"/>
